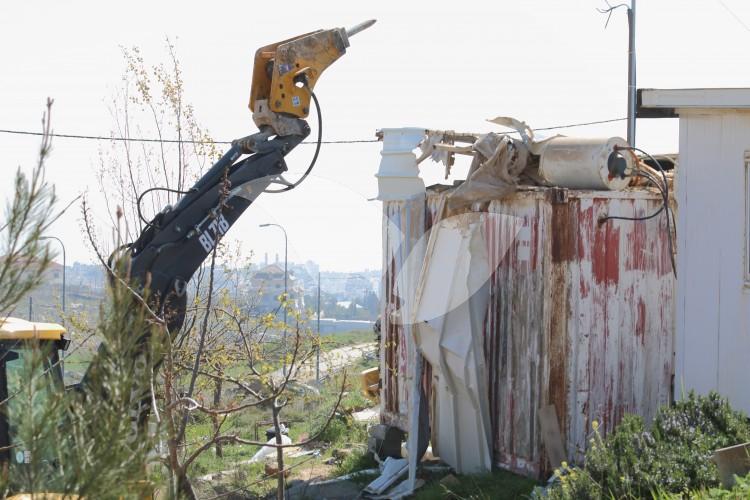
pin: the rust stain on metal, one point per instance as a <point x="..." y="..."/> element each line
<point x="640" y="324"/>
<point x="563" y="244"/>
<point x="605" y="250"/>
<point x="563" y="233"/>
<point x="645" y="253"/>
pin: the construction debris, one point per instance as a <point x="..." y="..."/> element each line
<point x="402" y="490"/>
<point x="269" y="449"/>
<point x="304" y="453"/>
<point x="392" y="470"/>
<point x="429" y="149"/>
<point x="494" y="172"/>
<point x="368" y="415"/>
<point x="500" y="162"/>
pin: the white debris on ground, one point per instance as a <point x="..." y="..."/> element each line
<point x="267" y="450"/>
<point x="304" y="453"/>
<point x="367" y="415"/>
<point x="392" y="470"/>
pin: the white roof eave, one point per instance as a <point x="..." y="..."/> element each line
<point x="706" y="98"/>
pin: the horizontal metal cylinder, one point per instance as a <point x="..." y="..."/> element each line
<point x="586" y="163"/>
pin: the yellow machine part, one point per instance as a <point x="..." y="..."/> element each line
<point x="277" y="65"/>
<point x="20" y="329"/>
<point x="370" y="379"/>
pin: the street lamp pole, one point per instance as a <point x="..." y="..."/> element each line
<point x="286" y="291"/>
<point x="317" y="360"/>
<point x="63" y="273"/>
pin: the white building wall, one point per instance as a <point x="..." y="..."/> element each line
<point x="713" y="298"/>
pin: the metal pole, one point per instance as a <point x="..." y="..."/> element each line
<point x="63" y="290"/>
<point x="317" y="361"/>
<point x="286" y="291"/>
<point x="30" y="307"/>
<point x="63" y="273"/>
<point x="631" y="74"/>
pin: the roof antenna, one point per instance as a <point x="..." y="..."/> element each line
<point x="631" y="61"/>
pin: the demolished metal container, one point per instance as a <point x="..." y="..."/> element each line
<point x="586" y="163"/>
<point x="579" y="315"/>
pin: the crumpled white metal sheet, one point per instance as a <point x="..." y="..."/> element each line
<point x="451" y="303"/>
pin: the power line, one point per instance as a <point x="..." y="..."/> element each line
<point x="599" y="122"/>
<point x="167" y="141"/>
<point x="176" y="141"/>
<point x="734" y="15"/>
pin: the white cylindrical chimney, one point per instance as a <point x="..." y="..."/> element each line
<point x="398" y="175"/>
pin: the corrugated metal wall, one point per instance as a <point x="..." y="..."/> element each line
<point x="580" y="316"/>
<point x="403" y="226"/>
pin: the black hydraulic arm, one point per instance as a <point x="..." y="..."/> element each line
<point x="178" y="240"/>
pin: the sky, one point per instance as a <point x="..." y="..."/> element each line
<point x="440" y="65"/>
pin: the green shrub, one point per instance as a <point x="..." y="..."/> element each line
<point x="692" y="429"/>
<point x="673" y="457"/>
<point x="497" y="485"/>
<point x="741" y="490"/>
<point x="355" y="401"/>
<point x="337" y="427"/>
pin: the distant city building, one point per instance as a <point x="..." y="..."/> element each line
<point x="86" y="276"/>
<point x="312" y="268"/>
<point x="53" y="273"/>
<point x="268" y="284"/>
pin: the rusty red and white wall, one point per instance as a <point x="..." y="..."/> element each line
<point x="579" y="316"/>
